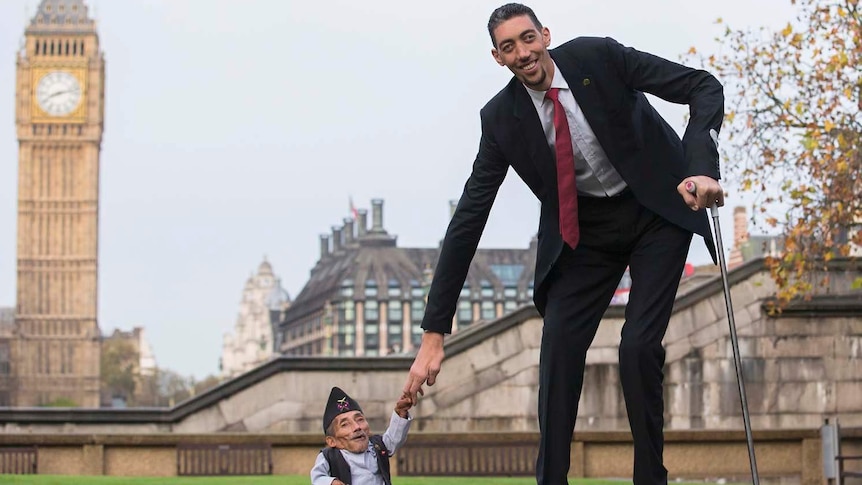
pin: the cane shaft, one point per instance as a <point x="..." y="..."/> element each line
<point x="734" y="340"/>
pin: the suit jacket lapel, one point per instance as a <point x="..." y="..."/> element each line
<point x="530" y="128"/>
<point x="583" y="89"/>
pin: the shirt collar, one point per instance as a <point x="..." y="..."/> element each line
<point x="558" y="81"/>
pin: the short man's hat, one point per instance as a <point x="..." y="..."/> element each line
<point x="338" y="403"/>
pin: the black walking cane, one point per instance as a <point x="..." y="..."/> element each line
<point x="737" y="361"/>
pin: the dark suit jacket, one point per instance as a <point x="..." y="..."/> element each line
<point x="608" y="81"/>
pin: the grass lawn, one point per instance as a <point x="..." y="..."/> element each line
<point x="270" y="480"/>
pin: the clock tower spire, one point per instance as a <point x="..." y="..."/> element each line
<point x="59" y="116"/>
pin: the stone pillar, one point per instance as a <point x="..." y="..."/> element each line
<point x="812" y="462"/>
<point x="383" y="328"/>
<point x="348" y="231"/>
<point x="93" y="460"/>
<point x="407" y="328"/>
<point x="359" y="336"/>
<point x="336" y="239"/>
<point x="362" y="223"/>
<point x="324" y="246"/>
<point x="377" y="216"/>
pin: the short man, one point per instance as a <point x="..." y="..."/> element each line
<point x="611" y="174"/>
<point x="353" y="456"/>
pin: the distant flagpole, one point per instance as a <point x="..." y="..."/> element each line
<point x="353" y="211"/>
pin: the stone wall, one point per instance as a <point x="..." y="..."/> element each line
<point x="799" y="368"/>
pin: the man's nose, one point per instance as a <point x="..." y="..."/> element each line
<point x="523" y="51"/>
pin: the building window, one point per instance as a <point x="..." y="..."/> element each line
<point x="372" y="339"/>
<point x="488" y="312"/>
<point x="372" y="312"/>
<point x="346" y="342"/>
<point x="465" y="312"/>
<point x="394" y="288"/>
<point x="509" y="274"/>
<point x="370" y="288"/>
<point x="416" y="289"/>
<point x="347" y="310"/>
<point x="417" y="334"/>
<point x="487" y="289"/>
<point x="396" y="313"/>
<point x="510" y="293"/>
<point x="4" y="359"/>
<point x="347" y="288"/>
<point x="530" y="290"/>
<point x="417" y="311"/>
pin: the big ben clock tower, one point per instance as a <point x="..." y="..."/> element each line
<point x="59" y="113"/>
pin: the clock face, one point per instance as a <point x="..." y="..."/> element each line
<point x="58" y="93"/>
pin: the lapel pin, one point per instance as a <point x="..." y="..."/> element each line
<point x="586" y="81"/>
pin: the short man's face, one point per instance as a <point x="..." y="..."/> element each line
<point x="350" y="432"/>
<point x="523" y="48"/>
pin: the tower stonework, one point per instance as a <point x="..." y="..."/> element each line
<point x="59" y="112"/>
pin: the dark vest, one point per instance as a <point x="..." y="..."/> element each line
<point x="338" y="467"/>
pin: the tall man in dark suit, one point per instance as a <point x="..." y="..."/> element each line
<point x="610" y="174"/>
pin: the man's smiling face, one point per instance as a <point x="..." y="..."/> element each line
<point x="523" y="48"/>
<point x="350" y="432"/>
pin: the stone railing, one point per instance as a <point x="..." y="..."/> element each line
<point x="793" y="455"/>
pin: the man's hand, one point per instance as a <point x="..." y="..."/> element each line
<point x="403" y="405"/>
<point x="337" y="482"/>
<point x="707" y="192"/>
<point x="425" y="366"/>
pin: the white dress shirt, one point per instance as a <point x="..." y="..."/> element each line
<point x="594" y="174"/>
<point x="363" y="466"/>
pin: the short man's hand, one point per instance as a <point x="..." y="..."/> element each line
<point x="337" y="482"/>
<point x="425" y="366"/>
<point x="403" y="405"/>
<point x="707" y="191"/>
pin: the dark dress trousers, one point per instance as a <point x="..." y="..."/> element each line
<point x="649" y="227"/>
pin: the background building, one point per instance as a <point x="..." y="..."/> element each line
<point x="7" y="327"/>
<point x="366" y="295"/>
<point x="59" y="114"/>
<point x="128" y="366"/>
<point x="252" y="343"/>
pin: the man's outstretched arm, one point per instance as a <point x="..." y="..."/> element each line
<point x="459" y="246"/>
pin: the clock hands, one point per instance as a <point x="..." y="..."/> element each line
<point x="59" y="93"/>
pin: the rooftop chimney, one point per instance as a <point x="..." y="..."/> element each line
<point x="348" y="231"/>
<point x="324" y="246"/>
<point x="740" y="237"/>
<point x="377" y="216"/>
<point x="336" y="239"/>
<point x="362" y="223"/>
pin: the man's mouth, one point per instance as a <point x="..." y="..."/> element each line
<point x="529" y="66"/>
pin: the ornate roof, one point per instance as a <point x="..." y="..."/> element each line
<point x="63" y="16"/>
<point x="359" y="265"/>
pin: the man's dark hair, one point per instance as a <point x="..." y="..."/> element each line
<point x="506" y="12"/>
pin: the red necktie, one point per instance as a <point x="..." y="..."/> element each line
<point x="567" y="189"/>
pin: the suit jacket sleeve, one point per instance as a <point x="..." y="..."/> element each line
<point x="682" y="85"/>
<point x="465" y="229"/>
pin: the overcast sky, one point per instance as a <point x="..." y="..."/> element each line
<point x="238" y="129"/>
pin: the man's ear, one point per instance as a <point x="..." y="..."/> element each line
<point x="496" y="55"/>
<point x="330" y="441"/>
<point x="546" y="36"/>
